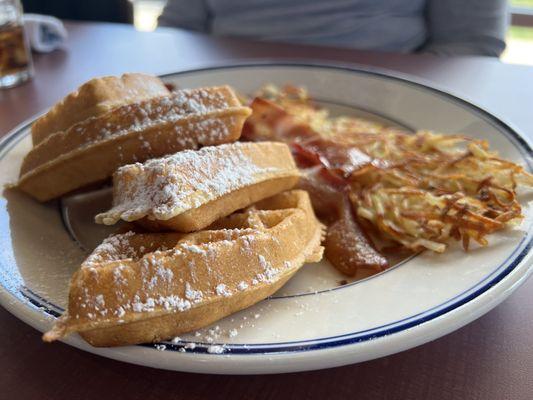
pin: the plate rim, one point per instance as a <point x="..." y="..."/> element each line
<point x="515" y="135"/>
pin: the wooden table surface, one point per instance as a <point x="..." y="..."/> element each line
<point x="492" y="358"/>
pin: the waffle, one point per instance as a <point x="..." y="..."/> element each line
<point x="94" y="98"/>
<point x="189" y="190"/>
<point x="93" y="149"/>
<point x="147" y="287"/>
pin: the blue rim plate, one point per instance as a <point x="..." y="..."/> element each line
<point x="312" y="323"/>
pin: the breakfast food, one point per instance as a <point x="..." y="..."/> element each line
<point x="348" y="246"/>
<point x="189" y="190"/>
<point x="217" y="227"/>
<point x="145" y="287"/>
<point x="91" y="150"/>
<point x="410" y="191"/>
<point x="94" y="98"/>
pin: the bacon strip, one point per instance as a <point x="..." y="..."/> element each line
<point x="347" y="246"/>
<point x="326" y="166"/>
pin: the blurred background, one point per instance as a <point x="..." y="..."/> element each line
<point x="143" y="15"/>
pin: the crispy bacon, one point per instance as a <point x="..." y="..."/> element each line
<point x="324" y="196"/>
<point x="304" y="157"/>
<point x="341" y="158"/>
<point x="277" y="124"/>
<point x="326" y="168"/>
<point x="347" y="246"/>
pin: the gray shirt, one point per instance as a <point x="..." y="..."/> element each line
<point x="451" y="27"/>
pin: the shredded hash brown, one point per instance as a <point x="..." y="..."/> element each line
<point x="421" y="189"/>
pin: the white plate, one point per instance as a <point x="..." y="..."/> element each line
<point x="312" y="322"/>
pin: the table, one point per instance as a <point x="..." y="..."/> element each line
<point x="492" y="358"/>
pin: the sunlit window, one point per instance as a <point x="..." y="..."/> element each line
<point x="146" y="13"/>
<point x="520" y="36"/>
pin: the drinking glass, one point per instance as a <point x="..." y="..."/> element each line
<point x="15" y="56"/>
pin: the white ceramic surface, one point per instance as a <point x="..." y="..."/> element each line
<point x="312" y="322"/>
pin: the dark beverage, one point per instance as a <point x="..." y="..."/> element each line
<point x="15" y="62"/>
<point x="13" y="54"/>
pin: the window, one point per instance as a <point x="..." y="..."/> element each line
<point x="520" y="35"/>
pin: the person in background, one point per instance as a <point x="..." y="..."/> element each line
<point x="445" y="27"/>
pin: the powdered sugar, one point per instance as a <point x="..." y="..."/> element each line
<point x="222" y="290"/>
<point x="99" y="300"/>
<point x="216" y="349"/>
<point x="191" y="294"/>
<point x="141" y="117"/>
<point x="165" y="187"/>
<point x="190" y="346"/>
<point x="269" y="272"/>
<point x="193" y="248"/>
<point x="115" y="247"/>
<point x="120" y="312"/>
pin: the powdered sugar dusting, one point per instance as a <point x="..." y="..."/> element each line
<point x="165" y="187"/>
<point x="222" y="290"/>
<point x="140" y="117"/>
<point x="165" y="273"/>
<point x="191" y="294"/>
<point x="216" y="349"/>
<point x="169" y="303"/>
<point x="115" y="247"/>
